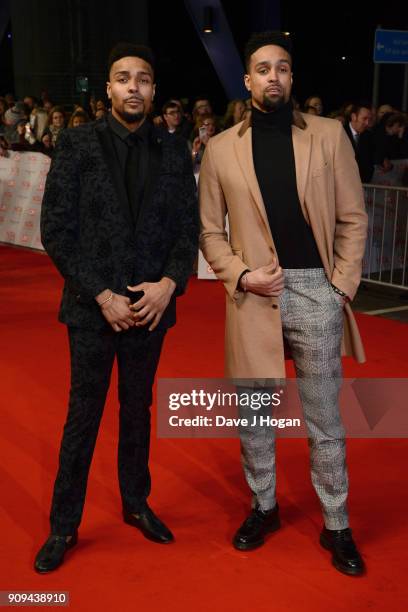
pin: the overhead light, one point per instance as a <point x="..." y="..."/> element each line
<point x="208" y="21"/>
<point x="343" y="57"/>
<point x="286" y="33"/>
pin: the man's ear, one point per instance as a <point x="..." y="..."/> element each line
<point x="247" y="81"/>
<point x="108" y="90"/>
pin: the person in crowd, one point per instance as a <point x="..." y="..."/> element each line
<point x="361" y="139"/>
<point x="12" y="117"/>
<point x="337" y="114"/>
<point x="119" y="220"/>
<point x="388" y="140"/>
<point x="27" y="141"/>
<point x="48" y="105"/>
<point x="100" y="113"/>
<point x="310" y="110"/>
<point x="10" y="100"/>
<point x="78" y="117"/>
<point x="314" y="105"/>
<point x="186" y="125"/>
<point x="100" y="105"/>
<point x="172" y="117"/>
<point x="202" y="106"/>
<point x="38" y="122"/>
<point x="234" y="113"/>
<point x="205" y="128"/>
<point x="382" y="110"/>
<point x="290" y="266"/>
<point x="56" y="123"/>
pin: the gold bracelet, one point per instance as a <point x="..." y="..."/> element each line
<point x="107" y="299"/>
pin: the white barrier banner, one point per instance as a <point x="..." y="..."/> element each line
<point x="22" y="182"/>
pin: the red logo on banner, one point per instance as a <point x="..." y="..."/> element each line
<point x="11" y="183"/>
<point x="18" y="209"/>
<point x="29" y="224"/>
<point x="24" y="238"/>
<point x="31" y="211"/>
<point x="11" y="236"/>
<point x="15" y="171"/>
<point x="3" y="207"/>
<point x="26" y="184"/>
<point x="37" y="199"/>
<point x="33" y="158"/>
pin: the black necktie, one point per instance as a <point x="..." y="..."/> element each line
<point x="132" y="181"/>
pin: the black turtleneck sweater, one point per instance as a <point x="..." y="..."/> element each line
<point x="274" y="163"/>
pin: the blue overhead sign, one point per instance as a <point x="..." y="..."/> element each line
<point x="391" y="47"/>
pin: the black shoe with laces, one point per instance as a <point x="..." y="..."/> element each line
<point x="52" y="553"/>
<point x="149" y="524"/>
<point x="256" y="526"/>
<point x="345" y="556"/>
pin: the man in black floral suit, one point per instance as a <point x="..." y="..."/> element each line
<point x="120" y="222"/>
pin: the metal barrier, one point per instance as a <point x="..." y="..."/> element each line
<point x="385" y="259"/>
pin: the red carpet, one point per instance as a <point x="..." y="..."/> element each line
<point x="198" y="486"/>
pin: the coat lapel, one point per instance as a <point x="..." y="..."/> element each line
<point x="109" y="154"/>
<point x="302" y="147"/>
<point x="243" y="150"/>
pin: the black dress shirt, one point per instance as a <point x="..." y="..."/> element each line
<point x="132" y="149"/>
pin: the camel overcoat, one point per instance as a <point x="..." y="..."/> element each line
<point x="332" y="201"/>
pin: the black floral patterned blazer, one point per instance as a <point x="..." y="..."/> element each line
<point x="87" y="230"/>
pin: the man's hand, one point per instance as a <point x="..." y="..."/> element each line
<point x="267" y="281"/>
<point x="115" y="310"/>
<point x="150" y="307"/>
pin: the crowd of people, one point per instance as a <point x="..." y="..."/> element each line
<point x="378" y="135"/>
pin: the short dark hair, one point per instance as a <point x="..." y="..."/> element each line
<point x="124" y="49"/>
<point x="357" y="106"/>
<point x="169" y="104"/>
<point x="395" y="118"/>
<point x="261" y="39"/>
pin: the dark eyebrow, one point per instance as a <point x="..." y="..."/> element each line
<point x="127" y="73"/>
<point x="267" y="63"/>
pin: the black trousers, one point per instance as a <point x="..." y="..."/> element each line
<point x="92" y="356"/>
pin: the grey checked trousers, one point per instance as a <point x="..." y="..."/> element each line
<point x="312" y="323"/>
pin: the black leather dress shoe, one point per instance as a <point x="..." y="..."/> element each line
<point x="345" y="556"/>
<point x="253" y="530"/>
<point x="150" y="525"/>
<point x="51" y="555"/>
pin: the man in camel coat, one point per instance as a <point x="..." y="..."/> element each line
<point x="297" y="229"/>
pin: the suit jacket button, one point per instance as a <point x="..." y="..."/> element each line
<point x="274" y="306"/>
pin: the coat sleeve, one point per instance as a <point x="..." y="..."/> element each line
<point x="351" y="218"/>
<point x="213" y="238"/>
<point x="179" y="264"/>
<point x="60" y="222"/>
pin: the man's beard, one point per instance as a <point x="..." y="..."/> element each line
<point x="272" y="104"/>
<point x="131" y="117"/>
